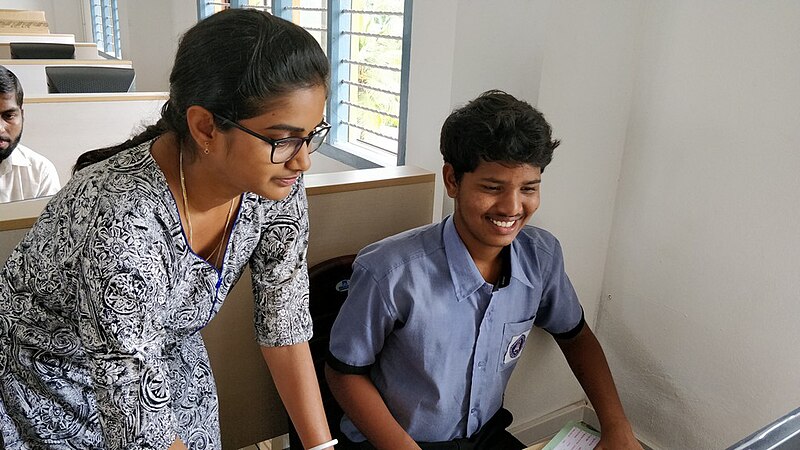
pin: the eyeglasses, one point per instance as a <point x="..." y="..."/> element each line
<point x="285" y="149"/>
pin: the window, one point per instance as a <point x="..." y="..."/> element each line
<point x="368" y="44"/>
<point x="105" y="26"/>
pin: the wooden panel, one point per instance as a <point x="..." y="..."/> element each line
<point x="95" y="98"/>
<point x="23" y="21"/>
<point x="63" y="130"/>
<point x="38" y="37"/>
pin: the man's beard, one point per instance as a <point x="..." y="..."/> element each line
<point x="11" y="146"/>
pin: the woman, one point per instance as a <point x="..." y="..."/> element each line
<point x="102" y="302"/>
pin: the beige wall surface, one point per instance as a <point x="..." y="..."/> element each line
<point x="701" y="288"/>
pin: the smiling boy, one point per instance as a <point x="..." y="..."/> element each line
<point x="437" y="317"/>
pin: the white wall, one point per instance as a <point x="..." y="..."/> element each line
<point x="703" y="272"/>
<point x="433" y="31"/>
<point x="150" y="30"/>
<point x="584" y="92"/>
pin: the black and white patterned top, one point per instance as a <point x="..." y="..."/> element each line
<point x="102" y="301"/>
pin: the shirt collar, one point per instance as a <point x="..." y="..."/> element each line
<point x="17" y="158"/>
<point x="466" y="277"/>
<point x="516" y="267"/>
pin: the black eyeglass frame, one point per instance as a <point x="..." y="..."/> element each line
<point x="323" y="127"/>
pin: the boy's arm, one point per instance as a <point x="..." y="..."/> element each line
<point x="588" y="362"/>
<point x="363" y="404"/>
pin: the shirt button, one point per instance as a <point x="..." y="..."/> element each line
<point x="481" y="365"/>
<point x="473" y="411"/>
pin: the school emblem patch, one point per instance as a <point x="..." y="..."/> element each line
<point x="515" y="347"/>
<point x="342" y="286"/>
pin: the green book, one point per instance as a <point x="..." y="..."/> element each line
<point x="575" y="435"/>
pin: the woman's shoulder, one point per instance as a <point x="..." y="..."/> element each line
<point x="127" y="181"/>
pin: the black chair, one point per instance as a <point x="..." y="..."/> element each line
<point x="329" y="282"/>
<point x="88" y="79"/>
<point x="41" y="50"/>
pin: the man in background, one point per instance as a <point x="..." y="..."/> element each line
<point x="23" y="173"/>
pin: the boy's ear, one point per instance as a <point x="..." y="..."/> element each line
<point x="450" y="182"/>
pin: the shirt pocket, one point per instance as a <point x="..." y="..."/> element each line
<point x="515" y="336"/>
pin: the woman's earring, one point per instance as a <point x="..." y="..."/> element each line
<point x="206" y="149"/>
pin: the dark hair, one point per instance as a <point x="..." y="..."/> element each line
<point x="10" y="83"/>
<point x="496" y="127"/>
<point x="233" y="64"/>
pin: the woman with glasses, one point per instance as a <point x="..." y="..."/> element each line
<point x="102" y="302"/>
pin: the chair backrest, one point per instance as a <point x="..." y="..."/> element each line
<point x="41" y="50"/>
<point x="328" y="286"/>
<point x="88" y="79"/>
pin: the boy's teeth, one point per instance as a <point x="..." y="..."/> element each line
<point x="503" y="224"/>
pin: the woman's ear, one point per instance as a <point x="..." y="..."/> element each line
<point x="201" y="125"/>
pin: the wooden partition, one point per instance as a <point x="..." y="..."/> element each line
<point x="61" y="127"/>
<point x="37" y="37"/>
<point x="347" y="211"/>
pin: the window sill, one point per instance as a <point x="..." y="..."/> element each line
<point x="358" y="157"/>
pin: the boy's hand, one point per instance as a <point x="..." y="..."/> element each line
<point x="618" y="438"/>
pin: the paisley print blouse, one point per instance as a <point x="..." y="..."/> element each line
<point x="102" y="302"/>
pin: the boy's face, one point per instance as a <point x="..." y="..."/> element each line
<point x="492" y="204"/>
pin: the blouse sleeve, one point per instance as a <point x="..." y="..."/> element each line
<point x="280" y="273"/>
<point x="121" y="310"/>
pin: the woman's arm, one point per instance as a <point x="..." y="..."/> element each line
<point x="364" y="405"/>
<point x="293" y="373"/>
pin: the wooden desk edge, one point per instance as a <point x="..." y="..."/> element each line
<point x="316" y="184"/>
<point x="109" y="97"/>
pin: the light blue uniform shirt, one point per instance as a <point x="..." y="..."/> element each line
<point x="437" y="340"/>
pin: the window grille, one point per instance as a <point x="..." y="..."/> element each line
<point x="367" y="42"/>
<point x="105" y="26"/>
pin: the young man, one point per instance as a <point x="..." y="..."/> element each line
<point x="23" y="173"/>
<point x="436" y="317"/>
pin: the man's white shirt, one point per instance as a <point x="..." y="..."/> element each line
<point x="26" y="174"/>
